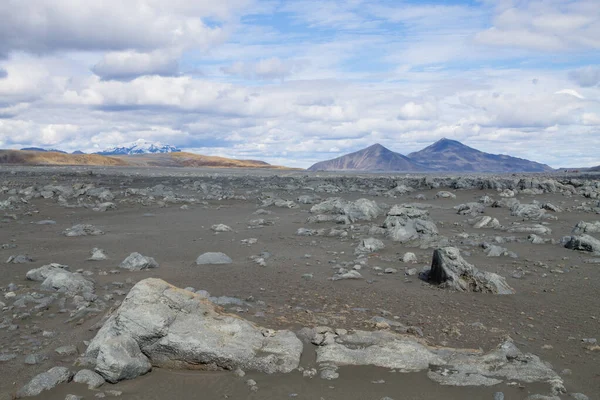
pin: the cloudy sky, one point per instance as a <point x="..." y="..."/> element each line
<point x="293" y="82"/>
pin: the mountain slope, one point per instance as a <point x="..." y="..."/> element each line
<point x="451" y="155"/>
<point x="373" y="158"/>
<point x="175" y="159"/>
<point x="140" y="146"/>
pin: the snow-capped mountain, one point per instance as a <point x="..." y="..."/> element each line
<point x="140" y="146"/>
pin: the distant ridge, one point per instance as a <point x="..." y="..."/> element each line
<point x="444" y="155"/>
<point x="140" y="146"/>
<point x="373" y="158"/>
<point x="40" y="149"/>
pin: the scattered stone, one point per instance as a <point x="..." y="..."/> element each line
<point x="97" y="255"/>
<point x="369" y="245"/>
<point x="83" y="230"/>
<point x="90" y="378"/>
<point x="68" y="350"/>
<point x="137" y="262"/>
<point x="20" y="259"/>
<point x="221" y="228"/>
<point x="45" y="381"/>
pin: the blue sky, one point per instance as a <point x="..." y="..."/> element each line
<point x="296" y="82"/>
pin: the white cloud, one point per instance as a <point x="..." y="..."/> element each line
<point x="269" y="68"/>
<point x="412" y="110"/>
<point x="125" y="65"/>
<point x="586" y="76"/>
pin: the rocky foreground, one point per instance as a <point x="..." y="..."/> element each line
<point x="476" y="282"/>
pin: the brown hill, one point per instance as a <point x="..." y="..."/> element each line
<point x="179" y="159"/>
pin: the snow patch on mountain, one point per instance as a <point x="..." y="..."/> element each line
<point x="140" y="146"/>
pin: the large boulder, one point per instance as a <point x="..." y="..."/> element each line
<point x="583" y="243"/>
<point x="586" y="227"/>
<point x="41" y="273"/>
<point x="450" y="270"/>
<point x="359" y="210"/>
<point x="57" y="277"/>
<point x="120" y="358"/>
<point x="138" y="262"/>
<point x="528" y="211"/>
<point x="176" y="328"/>
<point x="45" y="381"/>
<point x="405" y="223"/>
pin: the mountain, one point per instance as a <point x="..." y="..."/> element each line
<point x="78" y="152"/>
<point x="453" y="156"/>
<point x="140" y="146"/>
<point x="173" y="159"/>
<point x="373" y="158"/>
<point x="40" y="149"/>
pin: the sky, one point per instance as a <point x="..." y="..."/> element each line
<point x="299" y="81"/>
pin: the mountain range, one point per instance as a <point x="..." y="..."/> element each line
<point x="445" y="155"/>
<point x="140" y="146"/>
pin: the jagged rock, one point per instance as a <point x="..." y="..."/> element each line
<point x="308" y="199"/>
<point x="551" y="207"/>
<point x="369" y="245"/>
<point x="538" y="229"/>
<point x="583" y="243"/>
<point x="492" y="250"/>
<point x="527" y="211"/>
<point x="485" y="221"/>
<point x="90" y="378"/>
<point x="583" y="227"/>
<point x="409" y="258"/>
<point x="221" y="228"/>
<point x="83" y="230"/>
<point x="450" y="270"/>
<point x="97" y="255"/>
<point x="45" y="381"/>
<point x="213" y="258"/>
<point x="175" y="328"/>
<point x="120" y="358"/>
<point x="67" y="282"/>
<point x="137" y="262"/>
<point x="405" y="223"/>
<point x="20" y="259"/>
<point x="359" y="210"/>
<point x="456" y="367"/>
<point x="470" y="208"/>
<point x="41" y="273"/>
<point x="102" y="207"/>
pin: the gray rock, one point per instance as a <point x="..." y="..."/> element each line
<point x="538" y="229"/>
<point x="97" y="255"/>
<point x="527" y="211"/>
<point x="63" y="281"/>
<point x="83" y="230"/>
<point x="41" y="273"/>
<point x="409" y="258"/>
<point x="579" y="396"/>
<point x="20" y="259"/>
<point x="450" y="270"/>
<point x="345" y="274"/>
<point x="498" y="396"/>
<point x="359" y="210"/>
<point x="68" y="350"/>
<point x="137" y="262"/>
<point x="33" y="359"/>
<point x="445" y="195"/>
<point x="90" y="378"/>
<point x="485" y="221"/>
<point x="583" y="243"/>
<point x="583" y="227"/>
<point x="369" y="245"/>
<point x="73" y="397"/>
<point x="213" y="258"/>
<point x="175" y="328"/>
<point x="45" y="381"/>
<point x="221" y="228"/>
<point x="120" y="358"/>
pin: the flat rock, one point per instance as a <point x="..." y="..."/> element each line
<point x="583" y="243"/>
<point x="90" y="378"/>
<point x="83" y="230"/>
<point x="369" y="245"/>
<point x="45" y="381"/>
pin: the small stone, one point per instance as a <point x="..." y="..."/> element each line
<point x="66" y="350"/>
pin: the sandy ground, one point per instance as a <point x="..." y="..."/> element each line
<point x="556" y="305"/>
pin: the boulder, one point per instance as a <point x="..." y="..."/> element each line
<point x="527" y="211"/>
<point x="67" y="282"/>
<point x="137" y="262"/>
<point x="583" y="227"/>
<point x="450" y="270"/>
<point x="41" y="273"/>
<point x="221" y="228"/>
<point x="120" y="358"/>
<point x="214" y="258"/>
<point x="45" y="381"/>
<point x="583" y="243"/>
<point x="20" y="259"/>
<point x="175" y="328"/>
<point x="359" y="210"/>
<point x="97" y="255"/>
<point x="90" y="378"/>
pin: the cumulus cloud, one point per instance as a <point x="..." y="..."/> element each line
<point x="126" y="65"/>
<point x="412" y="110"/>
<point x="587" y="76"/>
<point x="3" y="73"/>
<point x="268" y="69"/>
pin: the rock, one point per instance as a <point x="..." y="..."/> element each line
<point x="102" y="207"/>
<point x="445" y="195"/>
<point x="63" y="281"/>
<point x="97" y="255"/>
<point x="409" y="258"/>
<point x="119" y="358"/>
<point x="579" y="396"/>
<point x="68" y="350"/>
<point x="498" y="396"/>
<point x="138" y="262"/>
<point x="406" y="223"/>
<point x="485" y="221"/>
<point x="213" y="258"/>
<point x="90" y="378"/>
<point x="583" y="227"/>
<point x="450" y="270"/>
<point x="46" y="222"/>
<point x="41" y="273"/>
<point x="345" y="274"/>
<point x="359" y="210"/>
<point x="582" y="242"/>
<point x="175" y="328"/>
<point x="45" y="381"/>
<point x="73" y="397"/>
<point x="20" y="259"/>
<point x="83" y="230"/>
<point x="470" y="209"/>
<point x="527" y="211"/>
<point x="369" y="245"/>
<point x="221" y="228"/>
<point x="33" y="359"/>
<point x="455" y="367"/>
<point x="4" y="357"/>
<point x="538" y="229"/>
